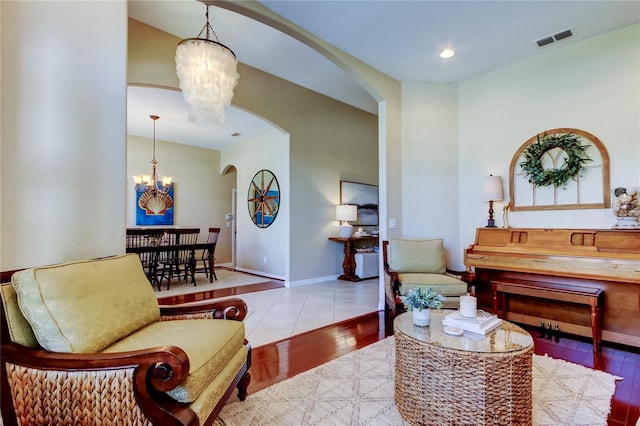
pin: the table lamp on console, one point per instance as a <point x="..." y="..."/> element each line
<point x="345" y="213"/>
<point x="492" y="191"/>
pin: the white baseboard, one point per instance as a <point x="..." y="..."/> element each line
<point x="261" y="273"/>
<point x="311" y="281"/>
<point x="297" y="283"/>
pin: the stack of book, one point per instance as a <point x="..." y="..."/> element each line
<point x="483" y="323"/>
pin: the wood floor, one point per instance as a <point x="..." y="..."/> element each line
<point x="284" y="359"/>
<point x="217" y="293"/>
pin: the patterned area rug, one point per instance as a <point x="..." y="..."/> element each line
<point x="358" y="389"/>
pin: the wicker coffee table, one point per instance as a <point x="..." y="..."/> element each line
<point x="462" y="380"/>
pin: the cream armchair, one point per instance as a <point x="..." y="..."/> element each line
<point x="411" y="263"/>
<point x="87" y="343"/>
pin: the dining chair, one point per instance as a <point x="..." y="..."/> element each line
<point x="146" y="238"/>
<point x="180" y="261"/>
<point x="206" y="256"/>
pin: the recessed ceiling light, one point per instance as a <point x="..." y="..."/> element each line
<point x="447" y="53"/>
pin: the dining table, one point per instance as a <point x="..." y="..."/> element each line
<point x="173" y="248"/>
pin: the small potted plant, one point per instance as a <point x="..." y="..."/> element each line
<point x="420" y="302"/>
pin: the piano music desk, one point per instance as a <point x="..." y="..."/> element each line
<point x="561" y="292"/>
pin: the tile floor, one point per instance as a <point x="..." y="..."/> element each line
<point x="283" y="312"/>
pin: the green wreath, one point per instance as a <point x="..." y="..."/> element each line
<point x="571" y="167"/>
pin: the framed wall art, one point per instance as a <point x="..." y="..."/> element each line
<point x="364" y="196"/>
<point x="155" y="208"/>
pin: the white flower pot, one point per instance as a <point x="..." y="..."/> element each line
<point x="422" y="317"/>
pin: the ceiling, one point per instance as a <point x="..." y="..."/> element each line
<point x="174" y="125"/>
<point x="400" y="38"/>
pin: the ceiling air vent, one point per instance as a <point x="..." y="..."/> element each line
<point x="554" y="37"/>
<point x="544" y="41"/>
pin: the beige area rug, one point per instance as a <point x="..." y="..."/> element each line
<point x="226" y="279"/>
<point x="358" y="389"/>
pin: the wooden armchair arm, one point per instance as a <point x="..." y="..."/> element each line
<point x="391" y="274"/>
<point x="231" y="309"/>
<point x="392" y="290"/>
<point x="165" y="367"/>
<point x="391" y="282"/>
<point x="465" y="276"/>
<point x="134" y="379"/>
<point x="461" y="275"/>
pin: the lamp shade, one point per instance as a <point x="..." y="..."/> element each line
<point x="492" y="188"/>
<point x="346" y="212"/>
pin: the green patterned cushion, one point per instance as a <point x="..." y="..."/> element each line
<point x="443" y="284"/>
<point x="413" y="255"/>
<point x="19" y="329"/>
<point x="214" y="391"/>
<point x="83" y="307"/>
<point x="210" y="345"/>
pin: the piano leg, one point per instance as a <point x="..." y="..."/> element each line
<point x="494" y="288"/>
<point x="596" y="324"/>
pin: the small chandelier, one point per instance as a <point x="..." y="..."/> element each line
<point x="207" y="71"/>
<point x="151" y="183"/>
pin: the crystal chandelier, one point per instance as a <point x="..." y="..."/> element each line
<point x="151" y="183"/>
<point x="207" y="71"/>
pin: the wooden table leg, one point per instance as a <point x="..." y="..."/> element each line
<point x="349" y="263"/>
<point x="211" y="273"/>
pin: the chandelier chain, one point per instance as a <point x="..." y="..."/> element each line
<point x="154" y="162"/>
<point x="153" y="183"/>
<point x="207" y="29"/>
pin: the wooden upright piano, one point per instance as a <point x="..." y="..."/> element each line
<point x="603" y="259"/>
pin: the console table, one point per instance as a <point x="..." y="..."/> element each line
<point x="349" y="263"/>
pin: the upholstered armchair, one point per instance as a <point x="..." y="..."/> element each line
<point x="412" y="263"/>
<point x="87" y="343"/>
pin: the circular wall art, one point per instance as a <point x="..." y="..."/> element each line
<point x="263" y="198"/>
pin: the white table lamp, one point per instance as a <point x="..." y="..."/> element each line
<point x="344" y="213"/>
<point x="492" y="191"/>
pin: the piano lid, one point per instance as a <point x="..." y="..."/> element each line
<point x="584" y="253"/>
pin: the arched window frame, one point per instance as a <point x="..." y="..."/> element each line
<point x="606" y="185"/>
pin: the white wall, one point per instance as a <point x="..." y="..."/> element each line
<point x="328" y="141"/>
<point x="64" y="134"/>
<point x="592" y="85"/>
<point x="430" y="164"/>
<point x="269" y="151"/>
<point x="202" y="195"/>
<point x="454" y="135"/>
